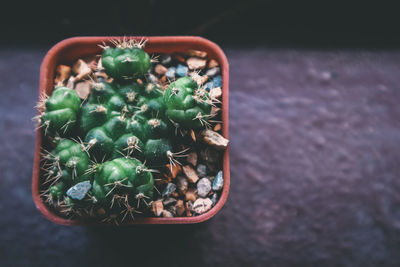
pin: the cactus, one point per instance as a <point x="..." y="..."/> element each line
<point x="104" y="103"/>
<point x="126" y="125"/>
<point x="128" y="145"/>
<point x="59" y="112"/>
<point x="124" y="180"/>
<point x="69" y="162"/>
<point x="188" y="105"/>
<point x="65" y="166"/>
<point x="151" y="102"/>
<point x="125" y="62"/>
<point x="101" y="139"/>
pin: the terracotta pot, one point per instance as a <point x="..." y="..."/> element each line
<point x="69" y="50"/>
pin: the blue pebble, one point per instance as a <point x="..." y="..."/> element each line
<point x="218" y="182"/>
<point x="171" y="73"/>
<point x="181" y="70"/>
<point x="169" y="189"/>
<point x="208" y="86"/>
<point x="79" y="190"/>
<point x="217" y="81"/>
<point x="214" y="199"/>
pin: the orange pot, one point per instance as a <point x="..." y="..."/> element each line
<point x="69" y="50"/>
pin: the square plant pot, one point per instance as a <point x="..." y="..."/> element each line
<point x="69" y="50"/>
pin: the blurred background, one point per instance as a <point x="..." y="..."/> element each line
<point x="314" y="130"/>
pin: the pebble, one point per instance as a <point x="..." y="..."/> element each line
<point x="153" y="79"/>
<point x="179" y="207"/>
<point x="70" y="82"/>
<point x="173" y="170"/>
<point x="213" y="167"/>
<point x="179" y="58"/>
<point x="191" y="195"/>
<point x="157" y="207"/>
<point x="188" y="209"/>
<point x="169" y="201"/>
<point x="100" y="211"/>
<point x="196" y="53"/>
<point x="214" y="139"/>
<point x="200" y="80"/>
<point x="192" y="158"/>
<point x="217" y="81"/>
<point x="203" y="187"/>
<point x="182" y="184"/>
<point x="167" y="214"/>
<point x="215" y="92"/>
<point x="209" y="85"/>
<point x="81" y="69"/>
<point x="79" y="190"/>
<point x="171" y="73"/>
<point x="181" y="70"/>
<point x="169" y="189"/>
<point x="160" y="69"/>
<point x="190" y="174"/>
<point x="83" y="89"/>
<point x="202" y="205"/>
<point x="165" y="59"/>
<point x="195" y="63"/>
<point x="217" y="127"/>
<point x="201" y="170"/>
<point x="214" y="111"/>
<point x="212" y="72"/>
<point x="210" y="154"/>
<point x="63" y="72"/>
<point x="211" y="178"/>
<point x="214" y="199"/>
<point x="212" y="64"/>
<point x="218" y="182"/>
<point x="172" y="209"/>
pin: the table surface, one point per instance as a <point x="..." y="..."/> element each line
<point x="315" y="152"/>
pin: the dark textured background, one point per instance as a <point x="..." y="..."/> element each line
<point x="315" y="144"/>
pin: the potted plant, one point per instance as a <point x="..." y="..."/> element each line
<point x="104" y="147"/>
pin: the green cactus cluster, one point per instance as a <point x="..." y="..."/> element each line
<point x="105" y="148"/>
